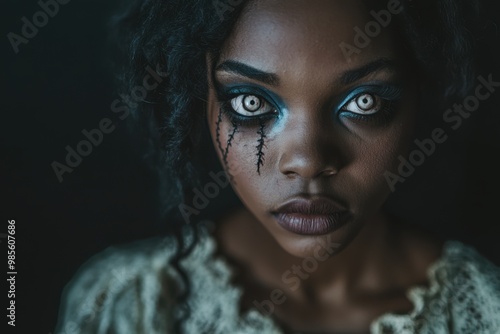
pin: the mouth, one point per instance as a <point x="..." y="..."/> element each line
<point x="311" y="216"/>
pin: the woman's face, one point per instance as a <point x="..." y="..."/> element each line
<point x="306" y="132"/>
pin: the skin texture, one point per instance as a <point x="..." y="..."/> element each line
<point x="312" y="149"/>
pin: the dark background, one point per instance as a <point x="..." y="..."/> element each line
<point x="61" y="83"/>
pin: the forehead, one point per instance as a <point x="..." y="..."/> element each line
<point x="306" y="36"/>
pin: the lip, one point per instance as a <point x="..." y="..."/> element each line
<point x="316" y="216"/>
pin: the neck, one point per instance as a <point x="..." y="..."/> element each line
<point x="377" y="258"/>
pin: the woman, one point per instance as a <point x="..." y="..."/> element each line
<point x="309" y="106"/>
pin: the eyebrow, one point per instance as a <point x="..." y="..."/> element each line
<point x="377" y="65"/>
<point x="272" y="79"/>
<point x="249" y="72"/>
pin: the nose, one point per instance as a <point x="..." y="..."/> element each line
<point x="310" y="149"/>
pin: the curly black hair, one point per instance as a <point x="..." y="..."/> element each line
<point x="174" y="37"/>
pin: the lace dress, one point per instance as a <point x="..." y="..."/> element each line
<point x="129" y="290"/>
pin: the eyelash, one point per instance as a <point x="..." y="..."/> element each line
<point x="388" y="94"/>
<point x="236" y="118"/>
<point x="225" y="102"/>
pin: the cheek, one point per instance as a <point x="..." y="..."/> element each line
<point x="242" y="162"/>
<point x="238" y="151"/>
<point x="365" y="176"/>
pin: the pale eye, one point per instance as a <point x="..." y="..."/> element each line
<point x="250" y="105"/>
<point x="364" y="104"/>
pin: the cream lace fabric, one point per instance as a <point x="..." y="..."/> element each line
<point x="129" y="290"/>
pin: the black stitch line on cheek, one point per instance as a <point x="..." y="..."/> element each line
<point x="260" y="146"/>
<point x="230" y="141"/>
<point x="217" y="132"/>
<point x="226" y="152"/>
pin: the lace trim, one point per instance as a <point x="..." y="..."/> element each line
<point x="449" y="304"/>
<point x="463" y="294"/>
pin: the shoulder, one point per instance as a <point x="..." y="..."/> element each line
<point x="463" y="296"/>
<point x="106" y="291"/>
<point x="132" y="288"/>
<point x="467" y="276"/>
